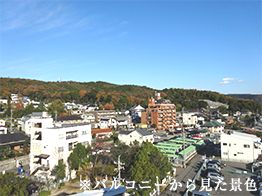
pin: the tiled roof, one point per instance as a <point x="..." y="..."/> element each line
<point x="212" y="124"/>
<point x="65" y="118"/>
<point x="107" y="130"/>
<point x="15" y="137"/>
<point x="143" y="132"/>
<point x="125" y="132"/>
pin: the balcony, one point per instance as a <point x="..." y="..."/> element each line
<point x="71" y="136"/>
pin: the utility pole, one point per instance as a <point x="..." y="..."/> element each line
<point x="184" y="161"/>
<point x="119" y="167"/>
<point x="11" y="118"/>
<point x="56" y="116"/>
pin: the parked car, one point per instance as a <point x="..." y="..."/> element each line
<point x="213" y="165"/>
<point x="200" y="193"/>
<point x="171" y="133"/>
<point x="222" y="165"/>
<point x="215" y="176"/>
<point x="205" y="172"/>
<point x="164" y="135"/>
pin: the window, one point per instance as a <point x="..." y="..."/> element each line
<point x="61" y="149"/>
<point x="61" y="136"/>
<point x="84" y="132"/>
<point x="246" y="146"/>
<point x="224" y="153"/>
<point x="229" y="144"/>
<point x="224" y="144"/>
<point x="85" y="143"/>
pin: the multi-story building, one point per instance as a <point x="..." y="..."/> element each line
<point x="160" y="112"/>
<point x="49" y="145"/>
<point x="35" y="121"/>
<point x="99" y="114"/>
<point x="240" y="147"/>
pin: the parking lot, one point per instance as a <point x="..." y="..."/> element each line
<point x="235" y="184"/>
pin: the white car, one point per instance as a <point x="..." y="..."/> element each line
<point x="215" y="176"/>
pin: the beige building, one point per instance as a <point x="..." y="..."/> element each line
<point x="240" y="147"/>
<point x="160" y="112"/>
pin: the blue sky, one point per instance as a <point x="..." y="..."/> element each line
<point x="204" y="45"/>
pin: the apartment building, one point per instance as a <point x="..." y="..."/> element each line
<point x="99" y="114"/>
<point x="160" y="112"/>
<point x="35" y="121"/>
<point x="49" y="145"/>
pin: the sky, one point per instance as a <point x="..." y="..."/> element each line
<point x="203" y="45"/>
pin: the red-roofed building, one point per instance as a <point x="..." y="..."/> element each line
<point x="102" y="132"/>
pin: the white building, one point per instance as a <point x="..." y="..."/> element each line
<point x="136" y="111"/>
<point x="49" y="145"/>
<point x="35" y="121"/>
<point x="140" y="135"/>
<point x="189" y="118"/>
<point x="240" y="147"/>
<point x="3" y="100"/>
<point x="89" y="118"/>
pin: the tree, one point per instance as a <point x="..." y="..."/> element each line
<point x="59" y="171"/>
<point x="29" y="109"/>
<point x="26" y="142"/>
<point x="78" y="156"/>
<point x="222" y="109"/>
<point x="10" y="184"/>
<point x="41" y="107"/>
<point x="56" y="106"/>
<point x="5" y="151"/>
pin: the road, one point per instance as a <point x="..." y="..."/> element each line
<point x="183" y="175"/>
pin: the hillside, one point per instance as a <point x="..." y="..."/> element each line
<point x="117" y="96"/>
<point x="257" y="98"/>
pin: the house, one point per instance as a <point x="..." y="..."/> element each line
<point x="70" y="119"/>
<point x="229" y="119"/>
<point x="3" y="130"/>
<point x="92" y="107"/>
<point x="123" y="121"/>
<point x="2" y="122"/>
<point x="160" y="113"/>
<point x="15" y="140"/>
<point x="49" y="145"/>
<point x="124" y="112"/>
<point x="3" y="100"/>
<point x="102" y="132"/>
<point x="140" y="135"/>
<point x="107" y="122"/>
<point x="136" y="111"/>
<point x="35" y="121"/>
<point x="240" y="147"/>
<point x="88" y="117"/>
<point x="213" y="126"/>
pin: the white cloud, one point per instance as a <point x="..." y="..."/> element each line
<point x="227" y="80"/>
<point x="241" y="81"/>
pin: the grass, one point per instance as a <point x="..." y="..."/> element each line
<point x="44" y="193"/>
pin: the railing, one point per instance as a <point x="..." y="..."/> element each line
<point x="71" y="136"/>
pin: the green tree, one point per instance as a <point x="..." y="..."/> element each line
<point x="56" y="106"/>
<point x="78" y="156"/>
<point x="29" y="109"/>
<point x="222" y="109"/>
<point x="10" y="184"/>
<point x="5" y="151"/>
<point x="59" y="171"/>
<point x="26" y="142"/>
<point x="41" y="107"/>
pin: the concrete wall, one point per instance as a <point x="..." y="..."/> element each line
<point x="11" y="163"/>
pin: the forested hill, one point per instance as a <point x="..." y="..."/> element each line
<point x="257" y="98"/>
<point x="115" y="96"/>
